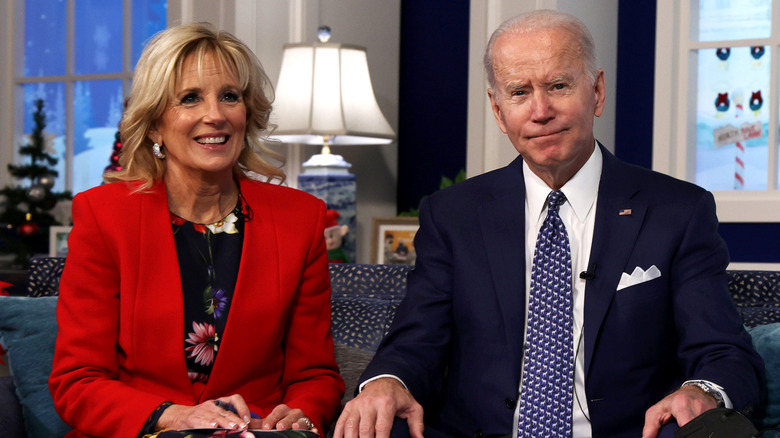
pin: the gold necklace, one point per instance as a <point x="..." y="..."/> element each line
<point x="223" y="211"/>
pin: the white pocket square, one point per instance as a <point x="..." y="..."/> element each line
<point x="638" y="276"/>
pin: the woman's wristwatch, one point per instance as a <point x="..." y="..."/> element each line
<point x="709" y="388"/>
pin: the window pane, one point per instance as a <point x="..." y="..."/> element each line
<point x="44" y="38"/>
<point x="149" y="17"/>
<point x="732" y="118"/>
<point x="734" y="19"/>
<point x="98" y="36"/>
<point x="98" y="109"/>
<point x="53" y="95"/>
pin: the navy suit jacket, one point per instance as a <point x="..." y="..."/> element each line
<point x="457" y="338"/>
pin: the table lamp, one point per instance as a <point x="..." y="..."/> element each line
<point x="324" y="97"/>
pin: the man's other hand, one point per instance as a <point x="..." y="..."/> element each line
<point x="683" y="405"/>
<point x="372" y="412"/>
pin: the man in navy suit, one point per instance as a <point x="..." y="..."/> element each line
<point x="655" y="335"/>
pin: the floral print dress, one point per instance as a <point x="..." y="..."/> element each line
<point x="209" y="257"/>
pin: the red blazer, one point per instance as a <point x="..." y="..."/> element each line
<point x="120" y="350"/>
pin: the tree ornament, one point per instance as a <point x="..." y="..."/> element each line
<point x="114" y="160"/>
<point x="36" y="193"/>
<point x="28" y="228"/>
<point x="47" y="181"/>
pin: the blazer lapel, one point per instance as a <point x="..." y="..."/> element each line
<point x="256" y="299"/>
<point x="159" y="287"/>
<point x="619" y="218"/>
<point x="503" y="228"/>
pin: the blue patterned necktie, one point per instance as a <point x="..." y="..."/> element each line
<point x="548" y="368"/>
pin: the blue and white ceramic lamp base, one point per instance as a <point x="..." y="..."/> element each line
<point x="327" y="177"/>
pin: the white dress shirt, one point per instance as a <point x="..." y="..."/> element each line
<point x="578" y="214"/>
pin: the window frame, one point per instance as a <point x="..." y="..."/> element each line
<point x="675" y="110"/>
<point x="13" y="79"/>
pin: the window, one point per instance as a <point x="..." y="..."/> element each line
<point x="78" y="56"/>
<point x="716" y="102"/>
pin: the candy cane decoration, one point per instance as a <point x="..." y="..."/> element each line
<point x="739" y="157"/>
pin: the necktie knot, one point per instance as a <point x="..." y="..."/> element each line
<point x="554" y="201"/>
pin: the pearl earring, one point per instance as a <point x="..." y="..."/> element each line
<point x="157" y="152"/>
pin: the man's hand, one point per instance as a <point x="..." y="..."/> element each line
<point x="683" y="405"/>
<point x="372" y="412"/>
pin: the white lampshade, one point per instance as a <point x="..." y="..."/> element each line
<point x="324" y="90"/>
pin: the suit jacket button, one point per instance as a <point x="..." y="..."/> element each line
<point x="510" y="404"/>
<point x="478" y="433"/>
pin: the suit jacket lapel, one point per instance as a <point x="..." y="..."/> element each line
<point x="619" y="218"/>
<point x="503" y="228"/>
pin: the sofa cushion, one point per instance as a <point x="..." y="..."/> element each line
<point x="28" y="328"/>
<point x="364" y="299"/>
<point x="43" y="279"/>
<point x="766" y="340"/>
<point x="757" y="296"/>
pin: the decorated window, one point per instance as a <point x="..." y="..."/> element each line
<point x="78" y="56"/>
<point x="733" y="96"/>
<point x="716" y="115"/>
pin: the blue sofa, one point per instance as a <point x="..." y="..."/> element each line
<point x="364" y="300"/>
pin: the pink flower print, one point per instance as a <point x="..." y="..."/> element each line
<point x="204" y="340"/>
<point x="197" y="377"/>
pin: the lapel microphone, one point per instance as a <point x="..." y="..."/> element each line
<point x="590" y="274"/>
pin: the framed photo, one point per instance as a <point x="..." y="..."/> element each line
<point x="58" y="241"/>
<point x="393" y="240"/>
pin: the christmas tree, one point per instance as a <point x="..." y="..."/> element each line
<point x="26" y="216"/>
<point x="114" y="161"/>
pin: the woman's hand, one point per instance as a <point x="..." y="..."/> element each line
<point x="282" y="417"/>
<point x="206" y="415"/>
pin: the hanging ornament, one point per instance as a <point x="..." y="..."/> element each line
<point x="756" y="102"/>
<point x="36" y="193"/>
<point x="722" y="104"/>
<point x="47" y="181"/>
<point x="723" y="54"/>
<point x="28" y="228"/>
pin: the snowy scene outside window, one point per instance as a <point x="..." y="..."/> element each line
<point x="81" y="70"/>
<point x="733" y="94"/>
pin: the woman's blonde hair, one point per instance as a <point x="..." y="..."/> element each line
<point x="154" y="82"/>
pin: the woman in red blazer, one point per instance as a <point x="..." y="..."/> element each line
<point x="193" y="295"/>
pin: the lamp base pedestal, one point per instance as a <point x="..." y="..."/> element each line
<point x="333" y="183"/>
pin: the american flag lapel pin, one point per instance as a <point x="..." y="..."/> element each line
<point x="625" y="212"/>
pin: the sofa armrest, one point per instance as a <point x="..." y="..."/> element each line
<point x="11" y="420"/>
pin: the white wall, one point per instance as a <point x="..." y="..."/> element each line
<point x="488" y="147"/>
<point x="9" y="11"/>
